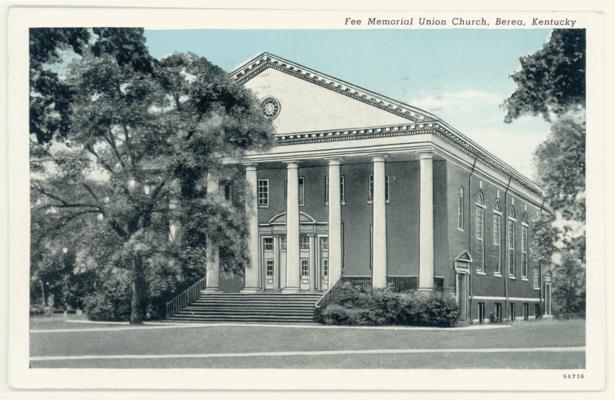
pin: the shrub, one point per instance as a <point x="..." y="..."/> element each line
<point x="357" y="305"/>
<point x="112" y="301"/>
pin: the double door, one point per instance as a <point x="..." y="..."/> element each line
<point x="313" y="262"/>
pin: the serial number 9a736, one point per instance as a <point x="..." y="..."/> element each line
<point x="573" y="376"/>
<point x="509" y="22"/>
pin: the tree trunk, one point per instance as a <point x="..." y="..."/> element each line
<point x="137" y="292"/>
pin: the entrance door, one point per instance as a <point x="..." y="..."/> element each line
<point x="305" y="261"/>
<point x="269" y="263"/>
<point x="462" y="295"/>
<point x="324" y="262"/>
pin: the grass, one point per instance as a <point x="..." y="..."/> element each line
<point x="246" y="339"/>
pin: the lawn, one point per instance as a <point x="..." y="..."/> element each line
<point x="521" y="345"/>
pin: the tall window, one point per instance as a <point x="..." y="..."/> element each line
<point x="460" y="209"/>
<point x="480" y="230"/>
<point x="305" y="268"/>
<point x="342" y="190"/>
<point x="283" y="242"/>
<point x="497" y="238"/>
<point x="263" y="192"/>
<point x="524" y="247"/>
<point x="301" y="191"/>
<point x="370" y="195"/>
<point x="512" y="268"/>
<point x="535" y="277"/>
<point x="326" y="189"/>
<point x="304" y="242"/>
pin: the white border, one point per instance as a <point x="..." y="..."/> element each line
<point x="21" y="376"/>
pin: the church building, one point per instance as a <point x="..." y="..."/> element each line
<point x="365" y="188"/>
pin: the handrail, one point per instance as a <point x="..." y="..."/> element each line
<point x="183" y="299"/>
<point x="325" y="299"/>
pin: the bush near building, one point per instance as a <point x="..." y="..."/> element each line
<point x="360" y="305"/>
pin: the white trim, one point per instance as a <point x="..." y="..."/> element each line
<point x="502" y="298"/>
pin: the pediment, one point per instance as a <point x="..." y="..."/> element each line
<point x="312" y="101"/>
<point x="464" y="257"/>
<point x="280" y="219"/>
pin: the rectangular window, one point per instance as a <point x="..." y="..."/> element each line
<point x="342" y="190"/>
<point x="326" y="189"/>
<point x="305" y="268"/>
<point x="512" y="268"/>
<point x="304" y="242"/>
<point x="301" y="191"/>
<point x="536" y="278"/>
<point x="497" y="251"/>
<point x="283" y="242"/>
<point x="324" y="243"/>
<point x="480" y="245"/>
<point x="460" y="210"/>
<point x="263" y="193"/>
<point x="268" y="243"/>
<point x="225" y="185"/>
<point x="536" y="310"/>
<point x="386" y="188"/>
<point x="524" y="259"/>
<point x="481" y="312"/>
<point x="325" y="267"/>
<point x="497" y="311"/>
<point x="512" y="311"/>
<point x="526" y="311"/>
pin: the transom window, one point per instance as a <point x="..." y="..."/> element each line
<point x="263" y="193"/>
<point x="268" y="243"/>
<point x="324" y="243"/>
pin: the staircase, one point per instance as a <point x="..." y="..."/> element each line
<point x="254" y="307"/>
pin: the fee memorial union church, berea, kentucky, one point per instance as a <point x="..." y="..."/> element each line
<point x="363" y="188"/>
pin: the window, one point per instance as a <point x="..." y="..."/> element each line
<point x="268" y="243"/>
<point x="497" y="311"/>
<point x="326" y="189"/>
<point x="460" y="209"/>
<point x="497" y="251"/>
<point x="325" y="267"/>
<point x="512" y="311"/>
<point x="524" y="259"/>
<point x="305" y="268"/>
<point x="304" y="242"/>
<point x="526" y="311"/>
<point x="301" y="191"/>
<point x="269" y="268"/>
<point x="480" y="230"/>
<point x="386" y="188"/>
<point x="481" y="312"/>
<point x="512" y="267"/>
<point x="370" y="195"/>
<point x="263" y="193"/>
<point x="536" y="278"/>
<point x="283" y="242"/>
<point x="324" y="243"/>
<point x="225" y="185"/>
<point x="536" y="310"/>
<point x="342" y="194"/>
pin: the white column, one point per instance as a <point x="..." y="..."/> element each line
<point x="426" y="249"/>
<point x="335" y="223"/>
<point x="212" y="259"/>
<point x="292" y="228"/>
<point x="252" y="270"/>
<point x="379" y="236"/>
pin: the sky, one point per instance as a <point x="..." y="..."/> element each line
<point x="460" y="75"/>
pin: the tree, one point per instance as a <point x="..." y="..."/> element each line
<point x="143" y="135"/>
<point x="551" y="83"/>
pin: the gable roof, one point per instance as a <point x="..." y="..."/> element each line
<point x="419" y="121"/>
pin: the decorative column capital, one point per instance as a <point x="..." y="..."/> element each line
<point x="378" y="157"/>
<point x="334" y="161"/>
<point x="250" y="166"/>
<point x="292" y="165"/>
<point x="426" y="155"/>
